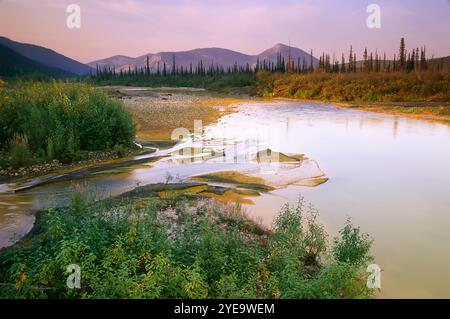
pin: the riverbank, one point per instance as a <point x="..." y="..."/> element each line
<point x="158" y="112"/>
<point x="138" y="246"/>
<point x="423" y="95"/>
<point x="47" y="126"/>
<point x="430" y="111"/>
<point x="56" y="167"/>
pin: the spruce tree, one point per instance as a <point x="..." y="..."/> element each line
<point x="416" y="59"/>
<point x="423" y="61"/>
<point x="350" y="60"/>
<point x="343" y="63"/>
<point x="371" y="62"/>
<point x="173" y="65"/>
<point x="365" y="64"/>
<point x="402" y="54"/>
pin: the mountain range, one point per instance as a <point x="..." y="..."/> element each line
<point x="208" y="56"/>
<point x="21" y="58"/>
<point x="28" y="58"/>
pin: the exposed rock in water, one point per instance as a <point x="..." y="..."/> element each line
<point x="269" y="156"/>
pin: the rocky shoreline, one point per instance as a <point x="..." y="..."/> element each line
<point x="10" y="174"/>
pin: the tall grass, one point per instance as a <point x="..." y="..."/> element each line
<point x="59" y="119"/>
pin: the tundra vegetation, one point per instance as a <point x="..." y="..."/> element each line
<point x="139" y="246"/>
<point x="42" y="121"/>
<point x="426" y="86"/>
<point x="373" y="78"/>
<point x="175" y="243"/>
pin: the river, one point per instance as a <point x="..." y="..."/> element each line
<point x="390" y="174"/>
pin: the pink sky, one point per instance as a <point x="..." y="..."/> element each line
<point x="136" y="27"/>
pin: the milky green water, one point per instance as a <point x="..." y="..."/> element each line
<point x="390" y="174"/>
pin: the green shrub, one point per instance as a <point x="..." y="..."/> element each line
<point x="63" y="118"/>
<point x="202" y="249"/>
<point x="4" y="162"/>
<point x="352" y="246"/>
<point x="120" y="150"/>
<point x="50" y="149"/>
<point x="20" y="155"/>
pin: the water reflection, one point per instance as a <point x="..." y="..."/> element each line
<point x="390" y="174"/>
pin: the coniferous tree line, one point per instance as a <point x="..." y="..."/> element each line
<point x="404" y="61"/>
<point x="163" y="70"/>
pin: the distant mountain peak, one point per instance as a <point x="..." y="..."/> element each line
<point x="280" y="45"/>
<point x="121" y="56"/>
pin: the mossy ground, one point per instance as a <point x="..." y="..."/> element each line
<point x="235" y="178"/>
<point x="175" y="191"/>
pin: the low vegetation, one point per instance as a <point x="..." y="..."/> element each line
<point x="238" y="82"/>
<point x="55" y="120"/>
<point x="433" y="111"/>
<point x="174" y="190"/>
<point x="234" y="178"/>
<point x="431" y="86"/>
<point x="141" y="247"/>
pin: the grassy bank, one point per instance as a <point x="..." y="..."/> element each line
<point x="54" y="120"/>
<point x="437" y="111"/>
<point x="141" y="247"/>
<point x="425" y="92"/>
<point x="360" y="87"/>
<point x="234" y="83"/>
<point x="423" y="95"/>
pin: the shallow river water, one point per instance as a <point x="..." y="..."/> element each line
<point x="390" y="174"/>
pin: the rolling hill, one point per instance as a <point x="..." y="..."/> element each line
<point x="13" y="64"/>
<point x="46" y="57"/>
